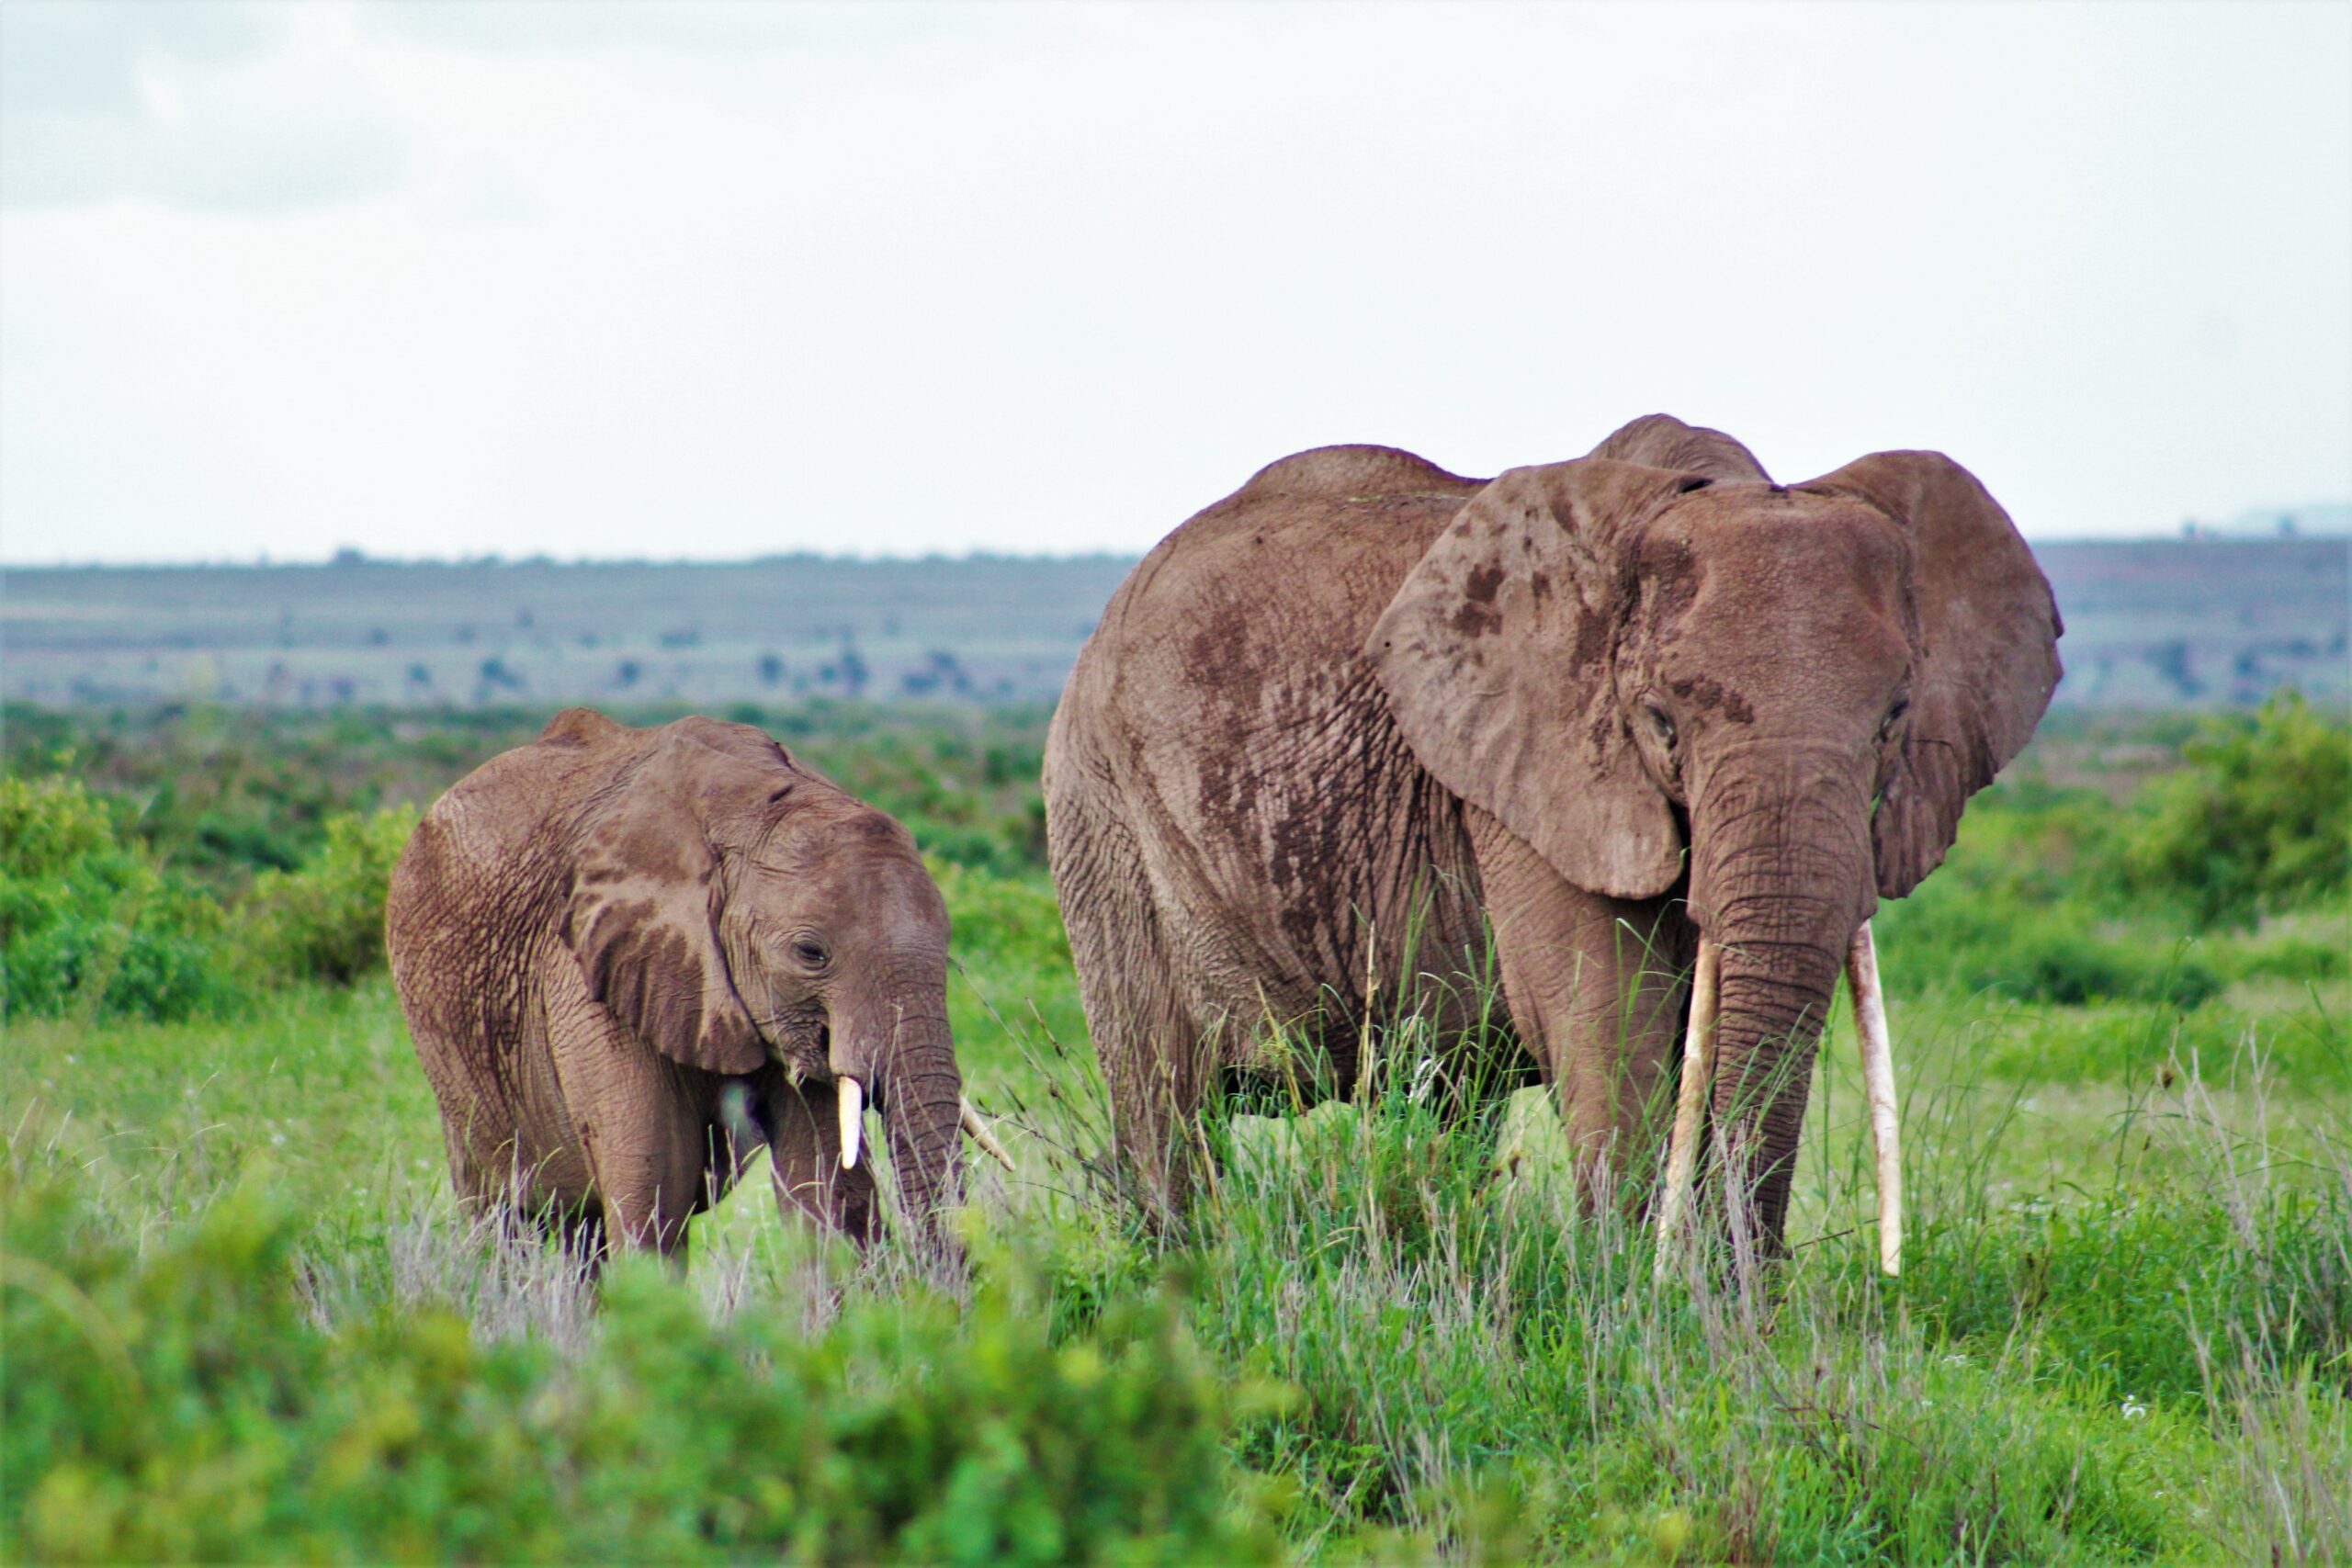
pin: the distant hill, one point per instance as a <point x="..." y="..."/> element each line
<point x="2163" y="622"/>
<point x="983" y="628"/>
<point x="2324" y="519"/>
<point x="2154" y="623"/>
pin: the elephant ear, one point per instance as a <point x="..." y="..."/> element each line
<point x="1495" y="658"/>
<point x="643" y="919"/>
<point x="1987" y="655"/>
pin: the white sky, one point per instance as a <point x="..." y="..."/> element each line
<point x="452" y="279"/>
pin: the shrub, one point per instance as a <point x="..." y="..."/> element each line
<point x="1002" y="922"/>
<point x="48" y="829"/>
<point x="1989" y="938"/>
<point x="88" y="921"/>
<point x="185" y="1408"/>
<point x="2287" y="951"/>
<point x="326" y="920"/>
<point x="2054" y="960"/>
<point x="2259" y="821"/>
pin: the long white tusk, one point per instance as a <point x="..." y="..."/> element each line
<point x="982" y="1136"/>
<point x="1698" y="1077"/>
<point x="852" y="1108"/>
<point x="1878" y="1084"/>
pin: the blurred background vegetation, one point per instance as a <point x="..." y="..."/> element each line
<point x="166" y="863"/>
<point x="129" y="838"/>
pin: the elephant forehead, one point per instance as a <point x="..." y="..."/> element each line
<point x="848" y="879"/>
<point x="815" y="828"/>
<point x="902" y="894"/>
<point x="1750" y="548"/>
<point x="1774" y="614"/>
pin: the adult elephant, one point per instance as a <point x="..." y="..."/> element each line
<point x="1642" y="714"/>
<point x="629" y="956"/>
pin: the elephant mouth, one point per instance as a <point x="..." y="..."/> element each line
<point x="851" y="1101"/>
<point x="802" y="1043"/>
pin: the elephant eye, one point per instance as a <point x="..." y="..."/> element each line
<point x="810" y="953"/>
<point x="1886" y="726"/>
<point x="1660" y="722"/>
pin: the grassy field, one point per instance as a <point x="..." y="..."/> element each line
<point x="243" y="1321"/>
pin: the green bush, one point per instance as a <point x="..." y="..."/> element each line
<point x="2052" y="959"/>
<point x="1002" y="922"/>
<point x="326" y="920"/>
<point x="49" y="828"/>
<point x="2260" y="820"/>
<point x="2289" y="954"/>
<point x="184" y="1408"/>
<point x="2059" y="895"/>
<point x="88" y="921"/>
<point x="1970" y="939"/>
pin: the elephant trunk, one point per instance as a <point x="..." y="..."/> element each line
<point x="1782" y="877"/>
<point x="905" y="1061"/>
<point x="922" y="1115"/>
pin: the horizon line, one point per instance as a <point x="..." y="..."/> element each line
<point x="348" y="558"/>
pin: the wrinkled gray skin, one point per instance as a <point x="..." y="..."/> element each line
<point x="1604" y="705"/>
<point x="629" y="956"/>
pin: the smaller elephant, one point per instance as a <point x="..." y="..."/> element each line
<point x="629" y="957"/>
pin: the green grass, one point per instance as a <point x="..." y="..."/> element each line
<point x="243" y="1321"/>
<point x="2125" y="1302"/>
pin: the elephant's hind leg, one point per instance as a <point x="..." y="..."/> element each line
<point x="1153" y="1054"/>
<point x="1157" y="1061"/>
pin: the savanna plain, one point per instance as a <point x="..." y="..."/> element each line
<point x="244" y="1321"/>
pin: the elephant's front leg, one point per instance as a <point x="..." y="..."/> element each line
<point x="642" y="1123"/>
<point x="1597" y="987"/>
<point x="804" y="1138"/>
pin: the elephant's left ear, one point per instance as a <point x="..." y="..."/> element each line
<point x="1987" y="660"/>
<point x="643" y="921"/>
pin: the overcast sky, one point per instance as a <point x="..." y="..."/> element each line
<point x="454" y="280"/>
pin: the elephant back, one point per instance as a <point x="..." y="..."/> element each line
<point x="1239" y="638"/>
<point x="1255" y="606"/>
<point x="484" y="872"/>
<point x="1351" y="471"/>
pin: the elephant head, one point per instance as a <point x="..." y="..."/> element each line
<point x="734" y="909"/>
<point x="1665" y="673"/>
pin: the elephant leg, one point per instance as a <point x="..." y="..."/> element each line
<point x="1156" y="1058"/>
<point x="645" y="1131"/>
<point x="1596" y="988"/>
<point x="1157" y="1062"/>
<point x="805" y="1158"/>
<point x="552" y="1199"/>
<point x="651" y="1182"/>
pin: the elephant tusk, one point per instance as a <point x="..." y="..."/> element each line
<point x="852" y="1109"/>
<point x="1698" y="1077"/>
<point x="982" y="1136"/>
<point x="1878" y="1084"/>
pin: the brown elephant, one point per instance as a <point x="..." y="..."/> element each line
<point x="629" y="956"/>
<point x="1639" y="715"/>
